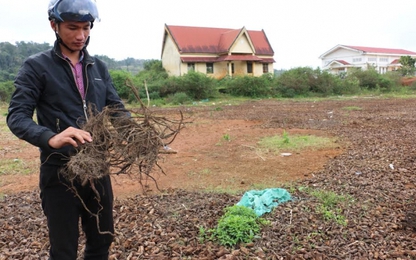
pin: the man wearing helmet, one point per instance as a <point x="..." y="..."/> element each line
<point x="60" y="84"/>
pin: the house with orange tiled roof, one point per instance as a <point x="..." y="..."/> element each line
<point x="341" y="58"/>
<point x="217" y="52"/>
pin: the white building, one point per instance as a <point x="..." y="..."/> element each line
<point x="341" y="58"/>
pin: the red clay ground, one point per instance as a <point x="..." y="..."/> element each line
<point x="205" y="159"/>
<point x="371" y="174"/>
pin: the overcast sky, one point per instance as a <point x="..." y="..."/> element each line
<point x="298" y="30"/>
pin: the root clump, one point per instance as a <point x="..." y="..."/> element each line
<point x="124" y="142"/>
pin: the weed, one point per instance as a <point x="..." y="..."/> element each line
<point x="238" y="225"/>
<point x="330" y="208"/>
<point x="202" y="236"/>
<point x="285" y="137"/>
<point x="226" y="137"/>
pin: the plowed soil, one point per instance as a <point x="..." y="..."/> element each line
<point x="373" y="163"/>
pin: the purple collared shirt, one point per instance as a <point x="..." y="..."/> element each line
<point x="77" y="69"/>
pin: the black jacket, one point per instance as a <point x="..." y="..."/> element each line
<point x="46" y="84"/>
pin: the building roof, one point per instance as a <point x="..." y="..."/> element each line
<point x="370" y="50"/>
<point x="381" y="50"/>
<point x="207" y="40"/>
<point x="343" y="62"/>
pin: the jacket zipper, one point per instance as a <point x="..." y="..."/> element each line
<point x="84" y="101"/>
<point x="58" y="128"/>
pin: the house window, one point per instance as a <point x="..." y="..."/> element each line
<point x="191" y="66"/>
<point x="384" y="59"/>
<point x="372" y="59"/>
<point x="356" y="60"/>
<point x="265" y="67"/>
<point x="249" y="67"/>
<point x="210" y="68"/>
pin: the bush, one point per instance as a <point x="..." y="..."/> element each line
<point x="248" y="86"/>
<point x="119" y="78"/>
<point x="197" y="85"/>
<point x="299" y="79"/>
<point x="6" y="90"/>
<point x="368" y="79"/>
<point x="239" y="224"/>
<point x="347" y="86"/>
<point x="324" y="82"/>
<point x="179" y="98"/>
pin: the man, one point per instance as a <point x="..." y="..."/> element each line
<point x="60" y="84"/>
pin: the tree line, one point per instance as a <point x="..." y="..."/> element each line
<point x="153" y="82"/>
<point x="13" y="55"/>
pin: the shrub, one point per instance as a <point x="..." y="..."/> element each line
<point x="368" y="79"/>
<point x="179" y="98"/>
<point x="119" y="78"/>
<point x="239" y="224"/>
<point x="299" y="79"/>
<point x="249" y="86"/>
<point x="197" y="85"/>
<point x="324" y="82"/>
<point x="6" y="90"/>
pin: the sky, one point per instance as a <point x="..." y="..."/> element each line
<point x="299" y="31"/>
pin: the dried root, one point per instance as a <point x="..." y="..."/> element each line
<point x="124" y="142"/>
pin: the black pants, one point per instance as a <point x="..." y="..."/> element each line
<point x="63" y="211"/>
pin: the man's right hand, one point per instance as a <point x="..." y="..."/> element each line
<point x="70" y="136"/>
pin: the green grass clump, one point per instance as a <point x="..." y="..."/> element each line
<point x="288" y="142"/>
<point x="238" y="225"/>
<point x="330" y="207"/>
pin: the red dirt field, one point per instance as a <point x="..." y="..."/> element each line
<point x="372" y="168"/>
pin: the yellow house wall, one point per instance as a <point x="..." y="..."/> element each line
<point x="171" y="59"/>
<point x="242" y="45"/>
<point x="220" y="69"/>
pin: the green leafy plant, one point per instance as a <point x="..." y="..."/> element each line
<point x="285" y="137"/>
<point x="226" y="137"/>
<point x="202" y="234"/>
<point x="330" y="205"/>
<point x="239" y="224"/>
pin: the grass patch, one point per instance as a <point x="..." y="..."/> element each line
<point x="14" y="166"/>
<point x="331" y="205"/>
<point x="286" y="142"/>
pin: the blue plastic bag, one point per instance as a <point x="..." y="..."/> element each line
<point x="262" y="201"/>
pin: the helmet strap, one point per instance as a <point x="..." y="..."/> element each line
<point x="60" y="41"/>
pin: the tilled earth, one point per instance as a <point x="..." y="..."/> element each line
<point x="376" y="169"/>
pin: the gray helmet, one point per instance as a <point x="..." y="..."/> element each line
<point x="73" y="10"/>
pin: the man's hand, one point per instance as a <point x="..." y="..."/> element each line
<point x="70" y="136"/>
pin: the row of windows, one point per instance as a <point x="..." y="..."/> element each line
<point x="210" y="67"/>
<point x="371" y="59"/>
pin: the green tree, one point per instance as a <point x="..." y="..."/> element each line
<point x="119" y="80"/>
<point x="408" y="66"/>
